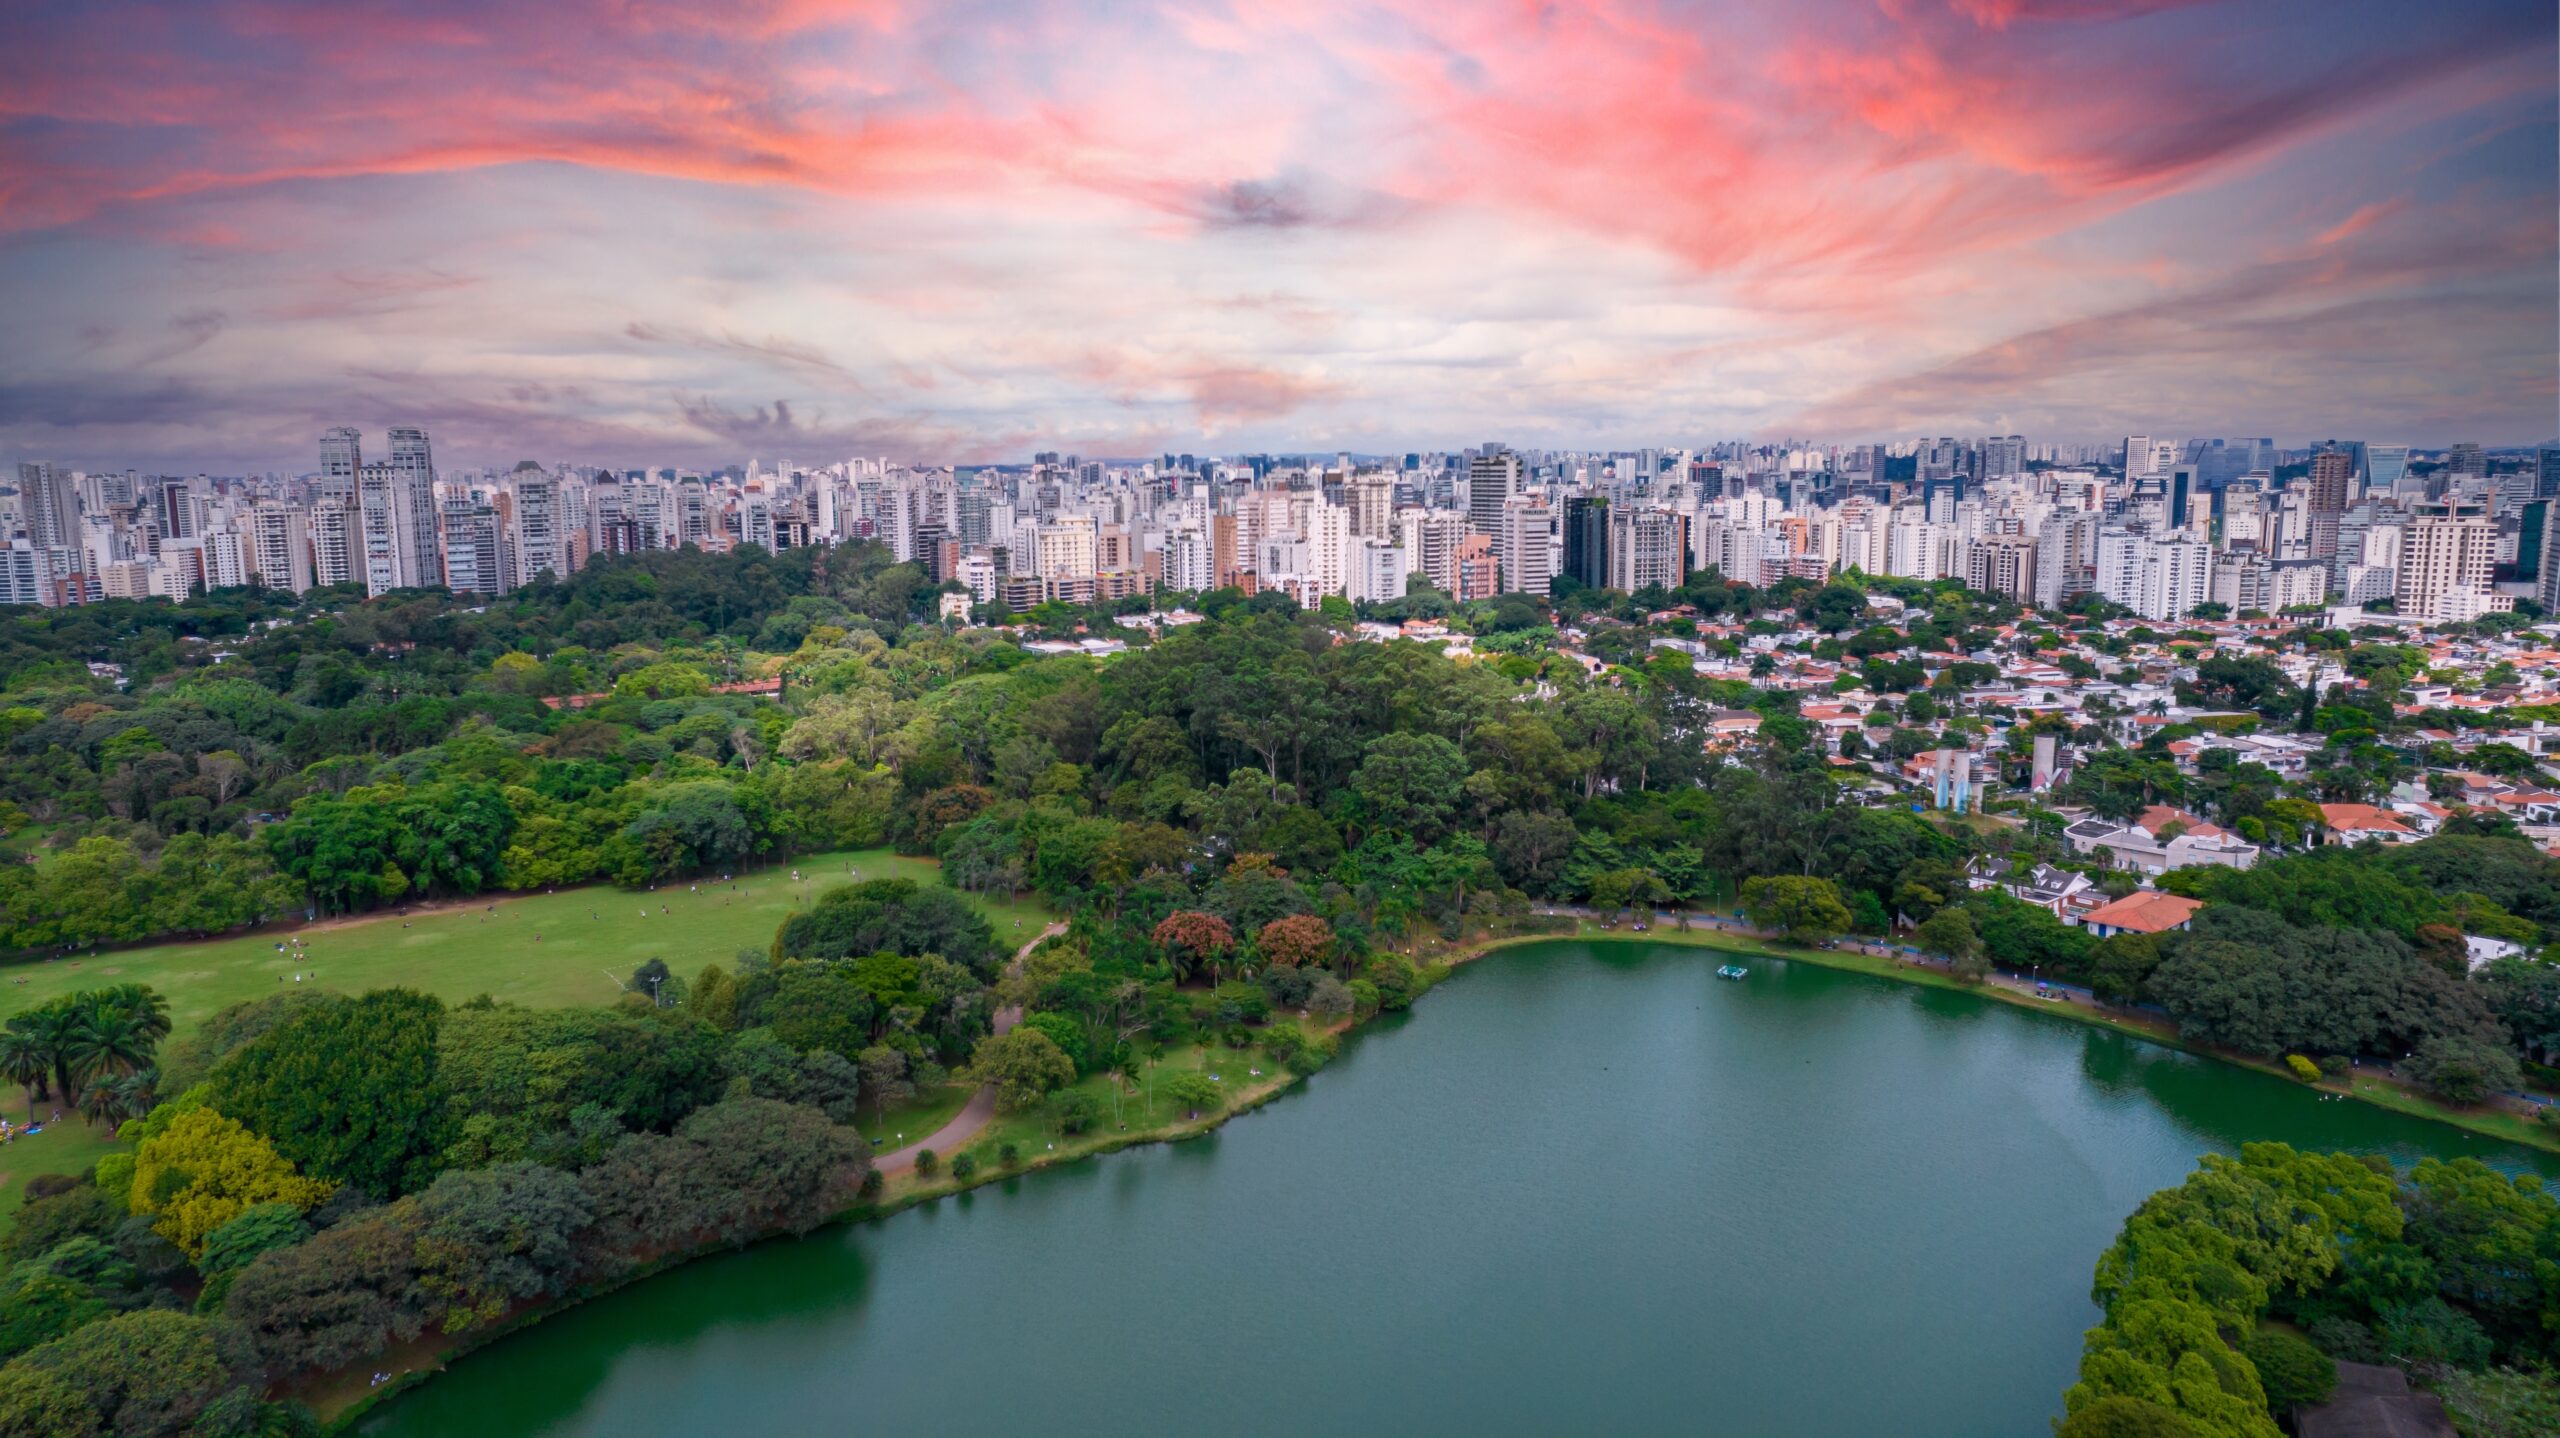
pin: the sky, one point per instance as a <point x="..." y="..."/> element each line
<point x="958" y="231"/>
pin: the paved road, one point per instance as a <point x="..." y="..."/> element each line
<point x="973" y="1115"/>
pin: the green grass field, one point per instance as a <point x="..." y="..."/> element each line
<point x="591" y="939"/>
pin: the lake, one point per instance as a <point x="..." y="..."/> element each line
<point x="1582" y="1188"/>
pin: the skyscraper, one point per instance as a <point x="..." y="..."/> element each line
<point x="2445" y="563"/>
<point x="1527" y="532"/>
<point x="51" y="505"/>
<point x="1586" y="540"/>
<point x="1492" y="479"/>
<point x="341" y="459"/>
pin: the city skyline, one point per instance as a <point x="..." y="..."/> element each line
<point x="637" y="234"/>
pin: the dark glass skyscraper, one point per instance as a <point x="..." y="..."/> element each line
<point x="1586" y="540"/>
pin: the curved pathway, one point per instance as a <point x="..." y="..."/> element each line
<point x="981" y="1106"/>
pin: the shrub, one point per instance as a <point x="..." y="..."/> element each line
<point x="926" y="1160"/>
<point x="1077" y="1112"/>
<point x="2123" y="1417"/>
<point x="2303" y="1068"/>
<point x="2292" y="1371"/>
<point x="2346" y="1340"/>
<point x="872" y="1183"/>
<point x="1008" y="1154"/>
<point x="965" y="1167"/>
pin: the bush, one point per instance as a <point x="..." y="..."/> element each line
<point x="965" y="1167"/>
<point x="2346" y="1340"/>
<point x="2303" y="1068"/>
<point x="872" y="1183"/>
<point x="2292" y="1371"/>
<point x="926" y="1160"/>
<point x="1008" y="1154"/>
<point x="2123" y="1417"/>
<point x="2433" y="1331"/>
<point x="1077" y="1112"/>
<point x="1315" y="1053"/>
<point x="2548" y="1115"/>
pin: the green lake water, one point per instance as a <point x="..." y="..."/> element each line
<point x="1581" y="1189"/>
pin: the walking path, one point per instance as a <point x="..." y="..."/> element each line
<point x="981" y="1106"/>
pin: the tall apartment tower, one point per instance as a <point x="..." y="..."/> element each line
<point x="413" y="468"/>
<point x="2445" y="563"/>
<point x="1527" y="546"/>
<point x="1646" y="549"/>
<point x="1586" y="540"/>
<point x="280" y="547"/>
<point x="1372" y="498"/>
<point x="337" y="541"/>
<point x="540" y="537"/>
<point x="50" y="504"/>
<point x="341" y="460"/>
<point x="1492" y="480"/>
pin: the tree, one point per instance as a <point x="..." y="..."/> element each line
<point x="892" y="916"/>
<point x="1949" y="934"/>
<point x="494" y="1237"/>
<point x="2294" y="1373"/>
<point x="1191" y="938"/>
<point x="1194" y="1092"/>
<point x="348" y="1090"/>
<point x="203" y="1170"/>
<point x="137" y="1375"/>
<point x="1409" y="784"/>
<point x="1807" y="910"/>
<point x="1298" y="941"/>
<point x="2462" y="1069"/>
<point x="2123" y="1417"/>
<point x="1024" y="1066"/>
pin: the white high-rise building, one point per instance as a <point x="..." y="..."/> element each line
<point x="538" y="530"/>
<point x="1376" y="572"/>
<point x="1646" y="548"/>
<point x="2159" y="579"/>
<point x="1527" y="545"/>
<point x="2446" y="558"/>
<point x="280" y="547"/>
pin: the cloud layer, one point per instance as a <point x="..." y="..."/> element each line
<point x="655" y="230"/>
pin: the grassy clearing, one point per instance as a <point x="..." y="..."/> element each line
<point x="66" y="1147"/>
<point x="591" y="938"/>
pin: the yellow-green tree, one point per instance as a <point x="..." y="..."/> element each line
<point x="204" y="1170"/>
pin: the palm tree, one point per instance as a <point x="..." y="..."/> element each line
<point x="52" y="1028"/>
<point x="25" y="1061"/>
<point x="118" y="1099"/>
<point x="118" y="1029"/>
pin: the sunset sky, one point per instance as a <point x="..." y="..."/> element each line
<point x="679" y="231"/>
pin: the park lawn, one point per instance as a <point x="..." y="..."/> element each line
<point x="904" y="1123"/>
<point x="1142" y="1111"/>
<point x="591" y="939"/>
<point x="459" y="951"/>
<point x="66" y="1147"/>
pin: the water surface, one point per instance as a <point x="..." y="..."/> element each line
<point x="1584" y="1188"/>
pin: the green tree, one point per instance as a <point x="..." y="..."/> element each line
<point x="2293" y="1372"/>
<point x="1024" y="1066"/>
<point x="1807" y="910"/>
<point x="1193" y="1092"/>
<point x="136" y="1375"/>
<point x="1949" y="934"/>
<point x="348" y="1090"/>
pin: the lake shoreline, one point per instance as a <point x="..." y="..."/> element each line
<point x="340" y="1407"/>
